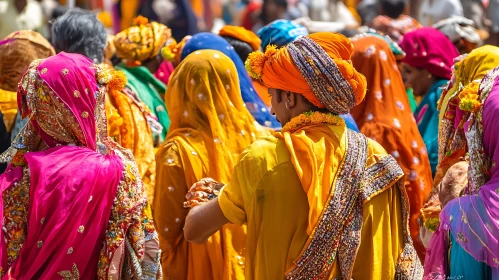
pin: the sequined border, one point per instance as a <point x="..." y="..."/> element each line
<point x="339" y="231"/>
<point x="316" y="262"/>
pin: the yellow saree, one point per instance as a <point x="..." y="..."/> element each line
<point x="210" y="127"/>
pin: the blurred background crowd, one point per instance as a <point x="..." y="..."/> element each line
<point x="187" y="17"/>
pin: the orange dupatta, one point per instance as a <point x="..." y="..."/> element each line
<point x="385" y="116"/>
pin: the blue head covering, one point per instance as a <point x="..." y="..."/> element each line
<point x="254" y="103"/>
<point x="280" y="33"/>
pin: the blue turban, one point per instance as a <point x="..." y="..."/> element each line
<point x="280" y="33"/>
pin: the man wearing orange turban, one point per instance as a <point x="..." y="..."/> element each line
<point x="345" y="194"/>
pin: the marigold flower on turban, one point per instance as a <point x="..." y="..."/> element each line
<point x="142" y="41"/>
<point x="317" y="66"/>
<point x="241" y="34"/>
<point x="172" y="52"/>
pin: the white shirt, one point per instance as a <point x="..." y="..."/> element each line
<point x="31" y="18"/>
<point x="433" y="11"/>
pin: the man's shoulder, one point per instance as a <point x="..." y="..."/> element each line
<point x="265" y="154"/>
<point x="264" y="147"/>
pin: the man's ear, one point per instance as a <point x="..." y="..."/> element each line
<point x="291" y="99"/>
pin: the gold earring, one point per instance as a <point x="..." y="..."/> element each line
<point x="288" y="104"/>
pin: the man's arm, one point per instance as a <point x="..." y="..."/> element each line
<point x="203" y="221"/>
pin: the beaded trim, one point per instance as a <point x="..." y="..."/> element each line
<point x="316" y="262"/>
<point x="322" y="75"/>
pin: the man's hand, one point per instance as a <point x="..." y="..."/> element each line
<point x="201" y="192"/>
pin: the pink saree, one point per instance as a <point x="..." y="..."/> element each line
<point x="61" y="206"/>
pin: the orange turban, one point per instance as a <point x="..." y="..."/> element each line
<point x="241" y="34"/>
<point x="317" y="66"/>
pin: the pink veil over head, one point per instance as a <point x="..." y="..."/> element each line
<point x="67" y="191"/>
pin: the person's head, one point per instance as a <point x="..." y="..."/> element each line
<point x="280" y="33"/>
<point x="385" y="99"/>
<point x="273" y="10"/>
<point x="61" y="95"/>
<point x="291" y="74"/>
<point x="79" y="31"/>
<point x="254" y="103"/>
<point x="392" y="8"/>
<point x="461" y="32"/>
<point x="242" y="40"/>
<point x="17" y="51"/>
<point x="475" y="65"/>
<point x="20" y="5"/>
<point x="242" y="49"/>
<point x="141" y="44"/>
<point x="429" y="56"/>
<point x="203" y="96"/>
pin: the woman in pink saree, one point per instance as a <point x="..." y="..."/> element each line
<point x="466" y="244"/>
<point x="76" y="209"/>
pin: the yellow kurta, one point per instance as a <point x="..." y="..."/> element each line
<point x="265" y="193"/>
<point x="128" y="126"/>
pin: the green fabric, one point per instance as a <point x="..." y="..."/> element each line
<point x="148" y="89"/>
<point x="412" y="100"/>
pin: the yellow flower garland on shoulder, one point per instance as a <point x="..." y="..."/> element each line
<point x="469" y="97"/>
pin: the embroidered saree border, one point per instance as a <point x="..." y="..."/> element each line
<point x="338" y="232"/>
<point x="316" y="261"/>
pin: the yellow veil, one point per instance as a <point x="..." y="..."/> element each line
<point x="210" y="128"/>
<point x="208" y="114"/>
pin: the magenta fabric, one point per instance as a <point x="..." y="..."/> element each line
<point x="473" y="220"/>
<point x="164" y="71"/>
<point x="72" y="188"/>
<point x="429" y="49"/>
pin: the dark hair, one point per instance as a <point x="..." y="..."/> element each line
<point x="79" y="31"/>
<point x="393" y="8"/>
<point x="58" y="12"/>
<point x="242" y="49"/>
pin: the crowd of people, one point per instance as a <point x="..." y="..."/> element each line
<point x="274" y="139"/>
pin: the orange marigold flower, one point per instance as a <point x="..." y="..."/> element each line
<point x="270" y="50"/>
<point x="167" y="53"/>
<point x="254" y="64"/>
<point x="140" y="20"/>
<point x="118" y="81"/>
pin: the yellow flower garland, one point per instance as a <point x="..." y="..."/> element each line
<point x="311" y="118"/>
<point x="469" y="97"/>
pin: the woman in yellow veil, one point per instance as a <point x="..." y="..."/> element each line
<point x="209" y="128"/>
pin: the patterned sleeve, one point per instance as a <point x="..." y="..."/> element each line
<point x="130" y="231"/>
